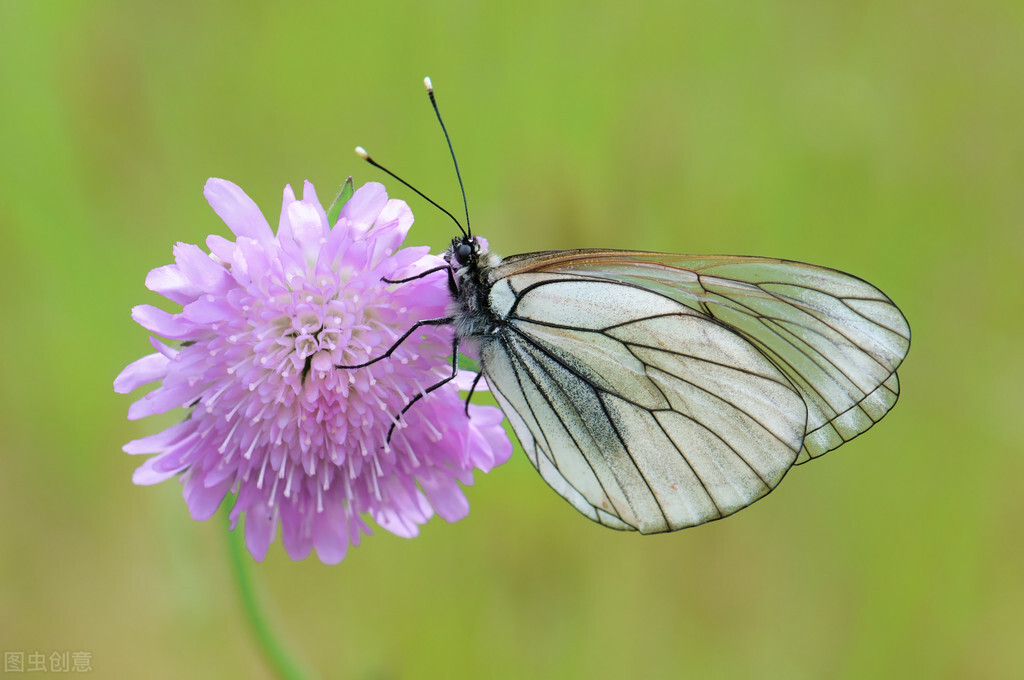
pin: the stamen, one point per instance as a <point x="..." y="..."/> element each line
<point x="248" y="453"/>
<point x="224" y="445"/>
<point x="288" y="484"/>
<point x="263" y="469"/>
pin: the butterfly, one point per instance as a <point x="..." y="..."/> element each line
<point x="656" y="392"/>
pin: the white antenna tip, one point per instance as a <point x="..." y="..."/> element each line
<point x="361" y="152"/>
<point x="429" y="85"/>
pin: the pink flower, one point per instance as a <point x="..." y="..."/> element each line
<point x="266" y="321"/>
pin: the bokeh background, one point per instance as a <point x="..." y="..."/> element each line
<point x="885" y="139"/>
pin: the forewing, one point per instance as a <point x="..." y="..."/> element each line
<point x="641" y="412"/>
<point x="838" y="339"/>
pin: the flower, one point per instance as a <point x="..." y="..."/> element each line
<point x="266" y="322"/>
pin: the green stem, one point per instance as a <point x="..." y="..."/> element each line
<point x="272" y="648"/>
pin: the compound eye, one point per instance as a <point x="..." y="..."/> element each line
<point x="463" y="253"/>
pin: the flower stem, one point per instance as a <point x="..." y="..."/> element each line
<point x="272" y="648"/>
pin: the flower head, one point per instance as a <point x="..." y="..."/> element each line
<point x="266" y="323"/>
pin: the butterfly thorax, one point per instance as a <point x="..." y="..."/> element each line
<point x="471" y="264"/>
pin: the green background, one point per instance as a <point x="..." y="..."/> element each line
<point x="884" y="139"/>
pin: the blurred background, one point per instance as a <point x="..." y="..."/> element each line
<point x="884" y="139"/>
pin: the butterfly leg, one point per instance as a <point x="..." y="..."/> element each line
<point x="439" y="383"/>
<point x="443" y="321"/>
<point x="472" y="389"/>
<point x="451" y="277"/>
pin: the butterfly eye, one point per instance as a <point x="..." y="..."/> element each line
<point x="463" y="253"/>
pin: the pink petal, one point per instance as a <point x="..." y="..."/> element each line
<point x="221" y="247"/>
<point x="162" y="323"/>
<point x="252" y="261"/>
<point x="309" y="197"/>
<point x="237" y="210"/>
<point x="331" y="536"/>
<point x="163" y="349"/>
<point x="397" y="524"/>
<point x="307" y="228"/>
<point x="208" y="310"/>
<point x="161" y="441"/>
<point x="141" y="372"/>
<point x="363" y="208"/>
<point x="488" y="444"/>
<point x="287" y="200"/>
<point x="407" y="509"/>
<point x="260" y="529"/>
<point x="208" y="275"/>
<point x="390" y="230"/>
<point x="162" y="400"/>
<point x="146" y="475"/>
<point x="203" y="501"/>
<point x="172" y="283"/>
<point x="297" y="543"/>
<point x="464" y="381"/>
<point x="445" y="495"/>
<point x="410" y="261"/>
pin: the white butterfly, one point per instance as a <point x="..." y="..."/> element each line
<point x="655" y="392"/>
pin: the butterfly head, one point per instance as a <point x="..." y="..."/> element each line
<point x="464" y="252"/>
<point x="472" y="262"/>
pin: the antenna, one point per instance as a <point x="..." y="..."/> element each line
<point x="361" y="152"/>
<point x="458" y="175"/>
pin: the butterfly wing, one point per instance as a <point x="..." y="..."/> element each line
<point x="656" y="392"/>
<point x="836" y="337"/>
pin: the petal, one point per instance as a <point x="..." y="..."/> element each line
<point x="322" y="361"/>
<point x="208" y="310"/>
<point x="221" y="247"/>
<point x="237" y="210"/>
<point x="363" y="208"/>
<point x="297" y="543"/>
<point x="307" y="228"/>
<point x="208" y="275"/>
<point x="172" y="283"/>
<point x="464" y="381"/>
<point x="489" y="445"/>
<point x="163" y="323"/>
<point x="260" y="529"/>
<point x="309" y="197"/>
<point x="141" y="372"/>
<point x="161" y="441"/>
<point x="146" y="475"/>
<point x="410" y="261"/>
<point x="397" y="524"/>
<point x="471" y="349"/>
<point x="286" y="200"/>
<point x="407" y="508"/>
<point x="163" y="349"/>
<point x="390" y="230"/>
<point x="203" y="501"/>
<point x="162" y="400"/>
<point x="444" y="494"/>
<point x="330" y="535"/>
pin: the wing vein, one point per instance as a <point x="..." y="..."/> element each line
<point x="705" y="390"/>
<point x="598" y="392"/>
<point x="706" y="360"/>
<point x="686" y="459"/>
<point x="708" y="427"/>
<point x="625" y="447"/>
<point x="807" y="308"/>
<point x="515" y="354"/>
